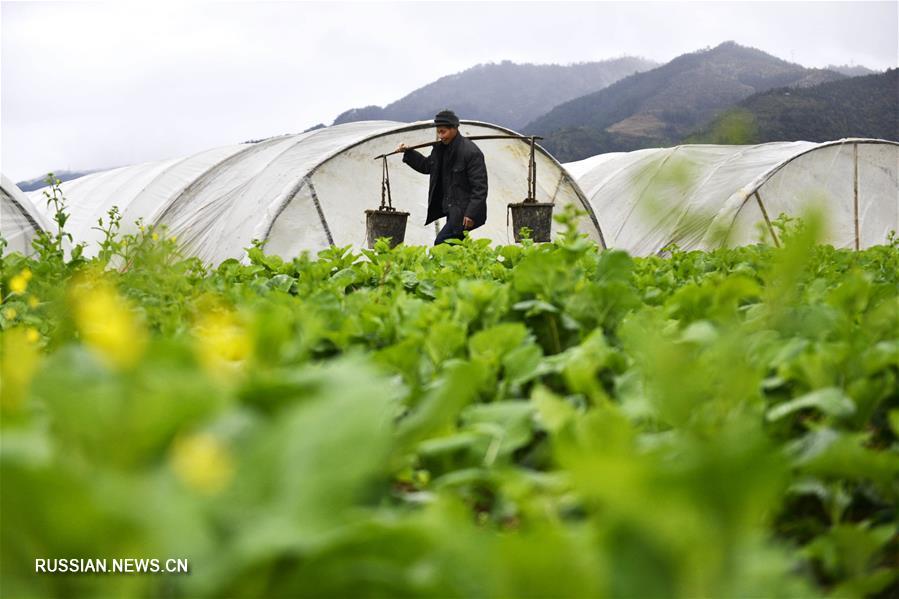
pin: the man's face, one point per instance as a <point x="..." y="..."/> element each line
<point x="446" y="134"/>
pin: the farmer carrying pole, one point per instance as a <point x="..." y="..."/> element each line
<point x="458" y="179"/>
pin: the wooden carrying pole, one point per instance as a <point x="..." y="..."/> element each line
<point x="530" y="138"/>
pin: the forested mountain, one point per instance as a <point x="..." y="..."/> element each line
<point x="661" y="106"/>
<point x="854" y="70"/>
<point x="858" y="107"/>
<point x="506" y="93"/>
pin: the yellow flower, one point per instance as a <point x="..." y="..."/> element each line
<point x="33" y="302"/>
<point x="16" y="374"/>
<point x="19" y="283"/>
<point x="32" y="335"/>
<point x="202" y="462"/>
<point x="155" y="236"/>
<point x="222" y="342"/>
<point x="9" y="313"/>
<point x="107" y="324"/>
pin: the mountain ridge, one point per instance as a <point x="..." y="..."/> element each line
<point x="663" y="105"/>
<point x="504" y="93"/>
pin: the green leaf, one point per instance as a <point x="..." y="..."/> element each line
<point x="449" y="444"/>
<point x="281" y="282"/>
<point x="829" y="453"/>
<point x="894" y="421"/>
<point x="553" y="412"/>
<point x="495" y="342"/>
<point x="849" y="549"/>
<point x="446" y="397"/>
<point x="532" y="307"/>
<point x="700" y="332"/>
<point x="445" y="340"/>
<point x="522" y="364"/>
<point x="580" y="365"/>
<point x="313" y="467"/>
<point x="831" y="401"/>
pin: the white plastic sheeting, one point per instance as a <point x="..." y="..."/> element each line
<point x="703" y="196"/>
<point x="20" y="220"/>
<point x="305" y="192"/>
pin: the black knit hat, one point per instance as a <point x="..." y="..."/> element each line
<point x="446" y="118"/>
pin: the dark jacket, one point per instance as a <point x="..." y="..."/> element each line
<point x="468" y="187"/>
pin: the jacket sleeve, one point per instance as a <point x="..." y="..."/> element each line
<point x="418" y="162"/>
<point x="476" y="170"/>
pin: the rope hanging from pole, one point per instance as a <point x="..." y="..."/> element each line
<point x="386" y="200"/>
<point x="532" y="173"/>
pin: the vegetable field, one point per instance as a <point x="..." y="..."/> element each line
<point x="542" y="420"/>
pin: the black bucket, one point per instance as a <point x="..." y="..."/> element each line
<point x="385" y="223"/>
<point x="536" y="216"/>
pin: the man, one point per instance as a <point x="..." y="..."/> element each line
<point x="458" y="179"/>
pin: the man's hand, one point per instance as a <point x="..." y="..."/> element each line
<point x="401" y="148"/>
<point x="467" y="223"/>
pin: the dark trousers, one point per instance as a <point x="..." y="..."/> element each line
<point x="453" y="227"/>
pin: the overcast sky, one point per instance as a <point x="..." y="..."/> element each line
<point x="94" y="85"/>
